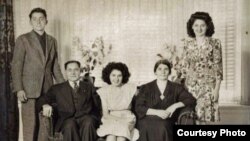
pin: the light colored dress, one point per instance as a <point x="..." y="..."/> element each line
<point x="117" y="101"/>
<point x="202" y="66"/>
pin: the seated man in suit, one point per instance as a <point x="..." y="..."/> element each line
<point x="77" y="105"/>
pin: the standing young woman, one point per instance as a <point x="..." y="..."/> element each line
<point x="202" y="66"/>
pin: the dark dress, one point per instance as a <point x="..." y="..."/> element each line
<point x="154" y="128"/>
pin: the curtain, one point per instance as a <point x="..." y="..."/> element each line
<point x="137" y="29"/>
<point x="8" y="106"/>
<point x="245" y="42"/>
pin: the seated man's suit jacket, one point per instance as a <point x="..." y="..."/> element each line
<point x="61" y="95"/>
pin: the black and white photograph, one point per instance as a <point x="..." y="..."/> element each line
<point x="122" y="70"/>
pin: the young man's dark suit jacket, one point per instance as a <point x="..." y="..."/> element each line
<point x="61" y="95"/>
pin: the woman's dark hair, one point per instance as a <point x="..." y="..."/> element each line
<point x="115" y="66"/>
<point x="202" y="16"/>
<point x="164" y="62"/>
<point x="38" y="10"/>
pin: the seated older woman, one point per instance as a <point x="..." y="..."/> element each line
<point x="157" y="101"/>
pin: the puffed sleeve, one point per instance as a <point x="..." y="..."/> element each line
<point x="132" y="88"/>
<point x="217" y="57"/>
<point x="140" y="103"/>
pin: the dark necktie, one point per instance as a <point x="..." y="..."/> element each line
<point x="75" y="88"/>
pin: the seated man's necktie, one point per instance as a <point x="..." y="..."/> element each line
<point x="75" y="89"/>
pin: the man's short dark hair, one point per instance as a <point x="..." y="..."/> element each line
<point x="70" y="62"/>
<point x="38" y="10"/>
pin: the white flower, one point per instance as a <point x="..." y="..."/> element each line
<point x="93" y="55"/>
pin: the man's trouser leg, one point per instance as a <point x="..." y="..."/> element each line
<point x="29" y="119"/>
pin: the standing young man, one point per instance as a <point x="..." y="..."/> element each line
<point x="34" y="65"/>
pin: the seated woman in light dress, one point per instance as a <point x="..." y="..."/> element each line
<point x="118" y="121"/>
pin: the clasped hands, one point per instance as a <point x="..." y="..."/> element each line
<point x="164" y="114"/>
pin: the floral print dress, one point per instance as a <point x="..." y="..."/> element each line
<point x="201" y="66"/>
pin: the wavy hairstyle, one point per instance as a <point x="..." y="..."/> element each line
<point x="115" y="66"/>
<point x="201" y="16"/>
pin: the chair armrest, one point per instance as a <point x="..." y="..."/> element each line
<point x="47" y="129"/>
<point x="186" y="116"/>
<point x="46" y="126"/>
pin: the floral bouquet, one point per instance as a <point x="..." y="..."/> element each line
<point x="91" y="56"/>
<point x="169" y="52"/>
